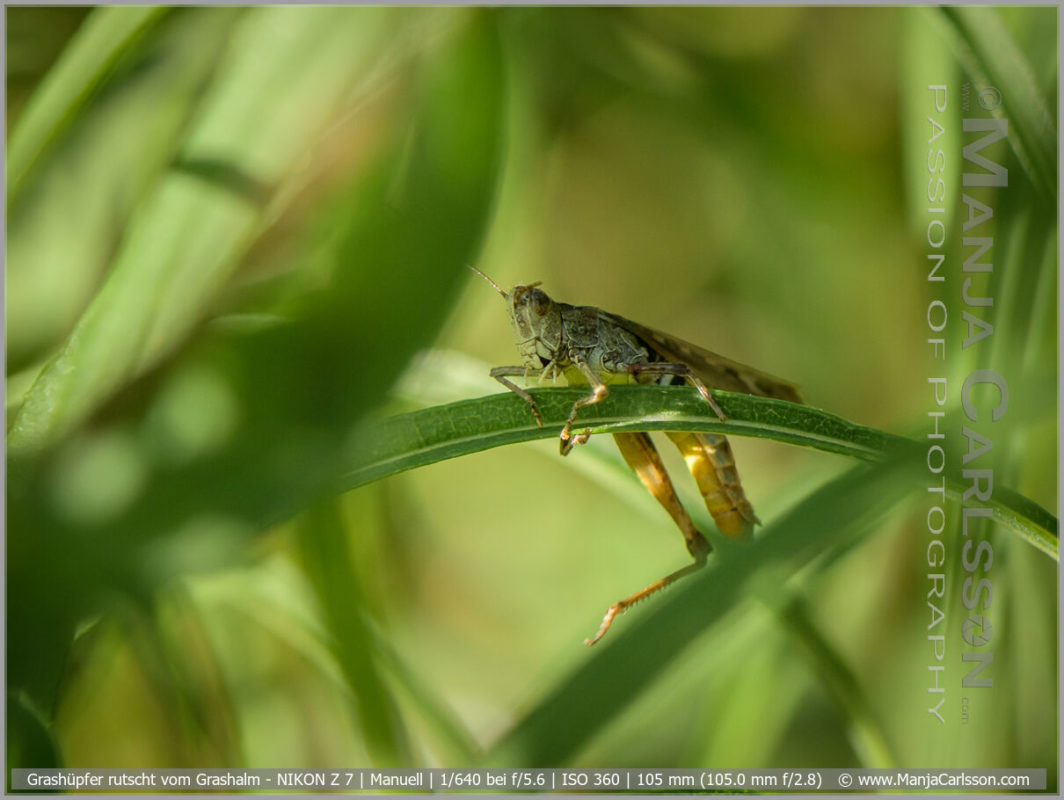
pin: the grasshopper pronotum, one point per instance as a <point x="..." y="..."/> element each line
<point x="592" y="347"/>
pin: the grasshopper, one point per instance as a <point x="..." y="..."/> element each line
<point x="589" y="346"/>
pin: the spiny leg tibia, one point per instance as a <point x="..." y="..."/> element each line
<point x="628" y="602"/>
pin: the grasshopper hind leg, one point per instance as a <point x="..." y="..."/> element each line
<point x="639" y="451"/>
<point x="709" y="458"/>
<point x="711" y="462"/>
<point x="676" y="373"/>
<point x="628" y="602"/>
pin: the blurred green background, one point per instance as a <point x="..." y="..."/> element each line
<point x="235" y="233"/>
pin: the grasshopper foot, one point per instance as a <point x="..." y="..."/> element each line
<point x="568" y="441"/>
<point x="607" y="620"/>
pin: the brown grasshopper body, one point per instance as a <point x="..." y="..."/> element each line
<point x="589" y="346"/>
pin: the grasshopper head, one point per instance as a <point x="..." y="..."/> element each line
<point x="537" y="324"/>
<point x="536" y="321"/>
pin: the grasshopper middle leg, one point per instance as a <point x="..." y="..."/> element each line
<point x="599" y="392"/>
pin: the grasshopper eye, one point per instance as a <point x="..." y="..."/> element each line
<point x="540" y="302"/>
<point x="521" y="292"/>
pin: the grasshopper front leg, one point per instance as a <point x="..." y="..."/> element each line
<point x="500" y="373"/>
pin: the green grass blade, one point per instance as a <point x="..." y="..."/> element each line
<point x="448" y="729"/>
<point x="987" y="50"/>
<point x="191" y="233"/>
<point x="84" y="194"/>
<point x="280" y="454"/>
<point x="30" y="736"/>
<point x="321" y="535"/>
<point x="423" y="437"/>
<point x="106" y="37"/>
<point x="866" y="733"/>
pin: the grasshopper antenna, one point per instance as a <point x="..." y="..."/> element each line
<point x="489" y="280"/>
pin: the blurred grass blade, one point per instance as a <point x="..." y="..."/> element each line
<point x="83" y="194"/>
<point x="188" y="238"/>
<point x="292" y="390"/>
<point x="866" y="734"/>
<point x="986" y="49"/>
<point x="322" y="540"/>
<point x="923" y="61"/>
<point x="556" y="730"/>
<point x="460" y="746"/>
<point x="104" y="39"/>
<point x="30" y="737"/>
<point x="389" y="446"/>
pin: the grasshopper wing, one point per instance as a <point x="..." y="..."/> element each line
<point x="716" y="371"/>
